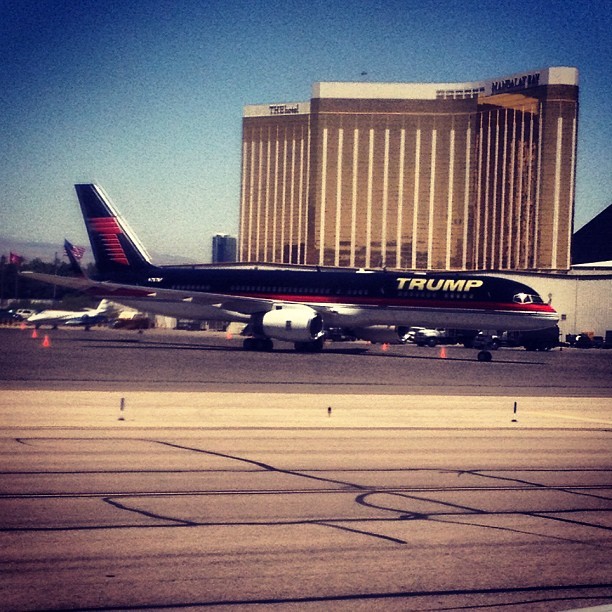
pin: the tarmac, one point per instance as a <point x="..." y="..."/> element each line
<point x="203" y="410"/>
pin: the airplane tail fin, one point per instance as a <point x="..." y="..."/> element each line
<point x="116" y="249"/>
<point x="103" y="307"/>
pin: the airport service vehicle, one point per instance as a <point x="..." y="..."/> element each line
<point x="539" y="340"/>
<point x="295" y="303"/>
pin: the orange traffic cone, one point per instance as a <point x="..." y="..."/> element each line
<point x="22" y="325"/>
<point x="34" y="334"/>
<point x="385" y="346"/>
<point x="46" y="342"/>
<point x="443" y="352"/>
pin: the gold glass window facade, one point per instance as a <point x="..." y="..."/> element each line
<point x="438" y="180"/>
<point x="274" y="191"/>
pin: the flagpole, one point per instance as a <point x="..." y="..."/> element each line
<point x="2" y="266"/>
<point x="55" y="272"/>
<point x="16" y="261"/>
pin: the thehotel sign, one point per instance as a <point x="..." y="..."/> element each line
<point x="284" y="109"/>
<point x="518" y="82"/>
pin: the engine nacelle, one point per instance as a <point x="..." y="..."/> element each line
<point x="290" y="323"/>
<point x="382" y="333"/>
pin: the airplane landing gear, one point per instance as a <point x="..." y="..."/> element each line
<point x="258" y="344"/>
<point x="484" y="356"/>
<point x="316" y="346"/>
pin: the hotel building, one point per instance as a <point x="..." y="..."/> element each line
<point x="453" y="176"/>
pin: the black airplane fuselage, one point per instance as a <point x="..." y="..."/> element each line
<point x="359" y="297"/>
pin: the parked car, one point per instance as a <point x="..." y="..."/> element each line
<point x="412" y="332"/>
<point x="432" y="337"/>
<point x="339" y="334"/>
<point x="25" y="313"/>
<point x="485" y="341"/>
<point x="8" y="317"/>
<point x="188" y="325"/>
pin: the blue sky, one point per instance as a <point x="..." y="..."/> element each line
<point x="145" y="97"/>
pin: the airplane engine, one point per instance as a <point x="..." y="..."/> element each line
<point x="382" y="333"/>
<point x="290" y="323"/>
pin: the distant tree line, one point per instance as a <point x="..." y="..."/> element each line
<point x="20" y="288"/>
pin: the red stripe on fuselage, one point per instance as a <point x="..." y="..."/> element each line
<point x="401" y="302"/>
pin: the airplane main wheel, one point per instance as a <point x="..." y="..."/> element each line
<point x="309" y="347"/>
<point x="484" y="356"/>
<point x="265" y="344"/>
<point x="258" y="344"/>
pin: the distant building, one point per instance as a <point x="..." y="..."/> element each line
<point x="457" y="176"/>
<point x="223" y="248"/>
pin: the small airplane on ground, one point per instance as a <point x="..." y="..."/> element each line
<point x="85" y="318"/>
<point x="296" y="303"/>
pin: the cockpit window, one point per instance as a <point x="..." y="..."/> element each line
<point x="522" y="298"/>
<point x="526" y="298"/>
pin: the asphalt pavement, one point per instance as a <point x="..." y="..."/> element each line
<point x="173" y="470"/>
<point x="104" y="359"/>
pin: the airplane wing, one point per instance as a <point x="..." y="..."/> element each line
<point x="72" y="282"/>
<point x="161" y="299"/>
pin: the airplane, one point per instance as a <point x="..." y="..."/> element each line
<point x="85" y="318"/>
<point x="296" y="303"/>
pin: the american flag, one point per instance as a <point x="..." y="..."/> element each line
<point x="76" y="251"/>
<point x="15" y="259"/>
